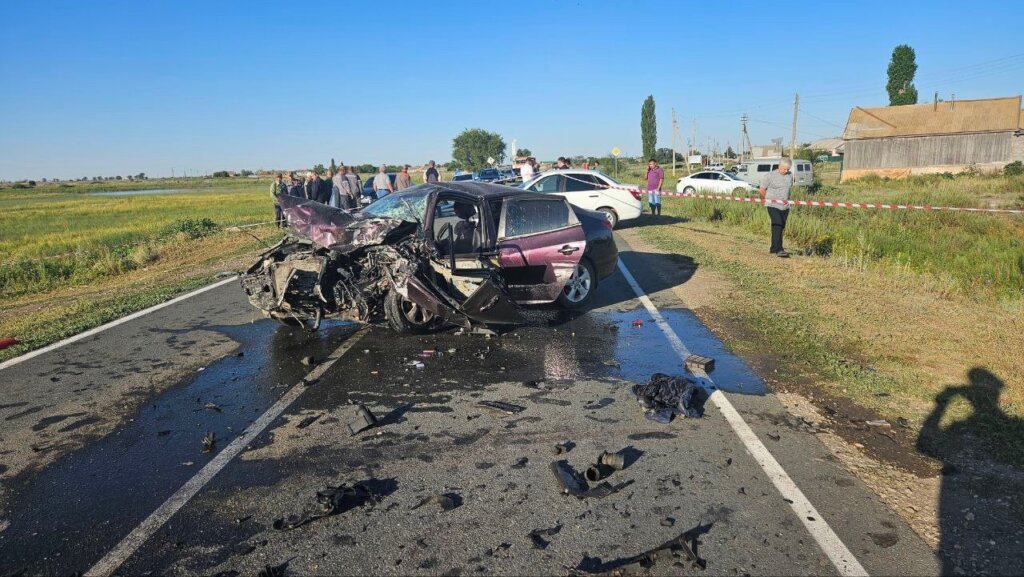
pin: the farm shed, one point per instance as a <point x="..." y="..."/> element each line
<point x="897" y="141"/>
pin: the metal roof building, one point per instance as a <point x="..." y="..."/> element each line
<point x="896" y="141"/>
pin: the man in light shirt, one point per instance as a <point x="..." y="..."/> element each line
<point x="382" y="184"/>
<point x="775" y="186"/>
<point x="526" y="170"/>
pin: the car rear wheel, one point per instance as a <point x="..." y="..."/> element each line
<point x="610" y="214"/>
<point x="689" y="190"/>
<point x="580" y="288"/>
<point x="406" y="316"/>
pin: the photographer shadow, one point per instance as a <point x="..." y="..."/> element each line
<point x="980" y="505"/>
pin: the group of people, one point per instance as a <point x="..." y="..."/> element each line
<point x="342" y="188"/>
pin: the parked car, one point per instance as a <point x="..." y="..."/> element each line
<point x="487" y="175"/>
<point x="754" y="170"/>
<point x="508" y="175"/>
<point x="463" y="177"/>
<point x="431" y="256"/>
<point x="592" y="190"/>
<point x="715" y="182"/>
<point x="368" y="194"/>
<point x="719" y="166"/>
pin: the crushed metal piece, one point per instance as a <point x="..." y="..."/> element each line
<point x="616" y="461"/>
<point x="568" y="478"/>
<point x="664" y="397"/>
<point x="597" y="472"/>
<point x="308" y="360"/>
<point x="537" y="536"/>
<point x="564" y="447"/>
<point x="330" y="501"/>
<point x="697" y="362"/>
<point x="212" y="407"/>
<point x="209" y="442"/>
<point x="360" y="420"/>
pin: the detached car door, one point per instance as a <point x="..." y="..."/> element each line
<point x="540" y="242"/>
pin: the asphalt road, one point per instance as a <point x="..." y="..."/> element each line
<point x="96" y="436"/>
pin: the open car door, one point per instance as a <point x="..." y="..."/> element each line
<point x="540" y="242"/>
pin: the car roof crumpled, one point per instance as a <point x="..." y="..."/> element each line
<point x="334" y="228"/>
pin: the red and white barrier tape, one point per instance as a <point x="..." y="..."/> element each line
<point x="821" y="203"/>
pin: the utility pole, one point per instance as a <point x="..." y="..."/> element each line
<point x="675" y="128"/>
<point x="745" y="145"/>
<point x="693" y="141"/>
<point x="792" y="141"/>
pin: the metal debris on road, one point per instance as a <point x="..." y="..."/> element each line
<point x="597" y="472"/>
<point x="665" y="397"/>
<point x="501" y="406"/>
<point x="209" y="441"/>
<point x="447" y="501"/>
<point x="307" y="421"/>
<point x="521" y="463"/>
<point x="572" y="484"/>
<point x="537" y="536"/>
<point x="681" y="549"/>
<point x="308" y="360"/>
<point x="329" y="501"/>
<point x="360" y="420"/>
<point x="616" y="460"/>
<point x="697" y="362"/>
<point x="212" y="407"/>
<point x="564" y="447"/>
<point x="612" y="363"/>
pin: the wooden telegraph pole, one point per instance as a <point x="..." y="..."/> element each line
<point x="792" y="141"/>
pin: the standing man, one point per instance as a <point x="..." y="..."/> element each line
<point x="338" y="198"/>
<point x="381" y="183"/>
<point x="294" y="186"/>
<point x="596" y="166"/>
<point x="353" y="186"/>
<point x="431" y="175"/>
<point x="348" y="192"/>
<point x="775" y="186"/>
<point x="562" y="163"/>
<point x="526" y="170"/>
<point x="278" y="189"/>
<point x="655" y="178"/>
<point x="403" y="180"/>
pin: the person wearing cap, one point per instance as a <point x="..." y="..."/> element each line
<point x="431" y="174"/>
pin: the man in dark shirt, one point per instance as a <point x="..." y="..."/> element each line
<point x="317" y="188"/>
<point x="562" y="163"/>
<point x="294" y="186"/>
<point x="431" y="175"/>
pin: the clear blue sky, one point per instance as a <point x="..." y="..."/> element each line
<point x="119" y="87"/>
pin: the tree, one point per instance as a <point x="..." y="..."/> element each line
<point x="901" y="76"/>
<point x="141" y="176"/>
<point x="521" y="152"/>
<point x="730" y="153"/>
<point x="474" y="146"/>
<point x="648" y="127"/>
<point x="245" y="173"/>
<point x="319" y="169"/>
<point x="221" y="174"/>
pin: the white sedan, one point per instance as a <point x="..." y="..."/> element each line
<point x="592" y="190"/>
<point x="714" y="182"/>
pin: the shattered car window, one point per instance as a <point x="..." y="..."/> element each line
<point x="533" y="216"/>
<point x="408" y="206"/>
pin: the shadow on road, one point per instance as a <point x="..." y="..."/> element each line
<point x="980" y="508"/>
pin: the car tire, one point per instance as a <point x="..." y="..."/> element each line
<point x="689" y="190"/>
<point x="407" y="317"/>
<point x="613" y="217"/>
<point x="580" y="288"/>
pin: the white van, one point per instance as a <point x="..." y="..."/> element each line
<point x="755" y="169"/>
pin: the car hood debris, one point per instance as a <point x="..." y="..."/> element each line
<point x="664" y="397"/>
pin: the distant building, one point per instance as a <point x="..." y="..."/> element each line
<point x="897" y="141"/>
<point x="766" y="151"/>
<point x="832" y="146"/>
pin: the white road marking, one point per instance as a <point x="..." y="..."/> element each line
<point x="112" y="324"/>
<point x="837" y="552"/>
<point x="127" y="547"/>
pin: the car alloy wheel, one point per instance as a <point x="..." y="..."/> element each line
<point x="689" y="190"/>
<point x="579" y="285"/>
<point x="415" y="314"/>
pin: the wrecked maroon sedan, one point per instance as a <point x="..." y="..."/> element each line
<point x="431" y="256"/>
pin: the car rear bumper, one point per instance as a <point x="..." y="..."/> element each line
<point x="604" y="255"/>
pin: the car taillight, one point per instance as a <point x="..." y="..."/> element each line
<point x="635" y="193"/>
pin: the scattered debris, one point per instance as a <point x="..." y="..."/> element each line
<point x="360" y="420"/>
<point x="638" y="323"/>
<point x="329" y="501"/>
<point x="503" y="407"/>
<point x="163" y="433"/>
<point x="308" y="360"/>
<point x="878" y="423"/>
<point x="241" y="520"/>
<point x="521" y="463"/>
<point x="499" y="551"/>
<point x="209" y="441"/>
<point x="612" y="363"/>
<point x="7" y="342"/>
<point x="537" y="536"/>
<point x="447" y="501"/>
<point x="597" y="472"/>
<point x="273" y="570"/>
<point x="307" y="421"/>
<point x="774" y="436"/>
<point x="572" y="484"/>
<point x="616" y="460"/>
<point x="696" y="362"/>
<point x="668" y="522"/>
<point x="728" y="461"/>
<point x="564" y="447"/>
<point x="681" y="549"/>
<point x="902" y="422"/>
<point x="664" y="397"/>
<point x="212" y="407"/>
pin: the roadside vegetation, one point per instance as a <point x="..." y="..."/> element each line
<point x="887" y="308"/>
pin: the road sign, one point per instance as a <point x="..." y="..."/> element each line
<point x="616" y="151"/>
<point x="490" y="160"/>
